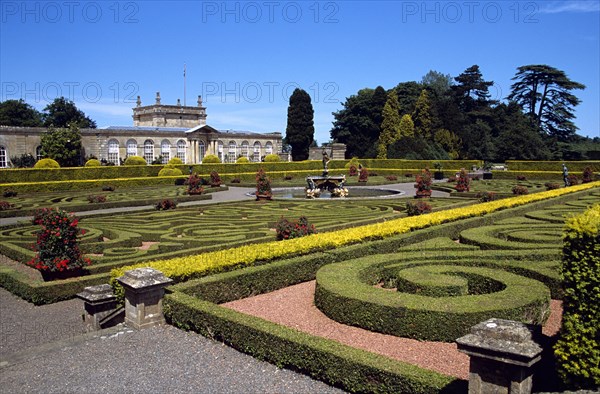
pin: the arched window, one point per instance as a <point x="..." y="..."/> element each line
<point x="38" y="153"/>
<point x="201" y="150"/>
<point x="113" y="152"/>
<point x="256" y="154"/>
<point x="132" y="148"/>
<point x="149" y="151"/>
<point x="245" y="149"/>
<point x="220" y="150"/>
<point x="181" y="147"/>
<point x="231" y="153"/>
<point x="268" y="148"/>
<point x="3" y="157"/>
<point x="165" y="151"/>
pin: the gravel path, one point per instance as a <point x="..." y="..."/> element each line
<point x="294" y="307"/>
<point x="42" y="350"/>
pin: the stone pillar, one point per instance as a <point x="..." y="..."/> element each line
<point x="144" y="291"/>
<point x="502" y="355"/>
<point x="99" y="302"/>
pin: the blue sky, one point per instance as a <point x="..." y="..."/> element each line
<point x="246" y="58"/>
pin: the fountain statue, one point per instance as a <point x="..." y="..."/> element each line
<point x="318" y="184"/>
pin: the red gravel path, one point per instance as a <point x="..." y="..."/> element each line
<point x="294" y="307"/>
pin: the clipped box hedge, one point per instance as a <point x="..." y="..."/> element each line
<point x="575" y="167"/>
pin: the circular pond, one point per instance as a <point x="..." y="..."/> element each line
<point x="353" y="192"/>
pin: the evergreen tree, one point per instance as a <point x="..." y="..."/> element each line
<point x="471" y="90"/>
<point x="63" y="113"/>
<point x="422" y="116"/>
<point x="449" y="141"/>
<point x="19" y="113"/>
<point x="407" y="127"/>
<point x="300" y="129"/>
<point x="544" y="93"/>
<point x="390" y="126"/>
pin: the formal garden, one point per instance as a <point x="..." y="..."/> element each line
<point x="427" y="268"/>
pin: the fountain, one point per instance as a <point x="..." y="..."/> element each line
<point x="333" y="184"/>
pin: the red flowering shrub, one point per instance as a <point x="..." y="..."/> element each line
<point x="165" y="204"/>
<point x="520" y="190"/>
<point x="4" y="205"/>
<point x="417" y="208"/>
<point x="363" y="176"/>
<point x="194" y="184"/>
<point x="298" y="228"/>
<point x="573" y="180"/>
<point x="352" y="171"/>
<point x="463" y="182"/>
<point x="588" y="175"/>
<point x="552" y="185"/>
<point x="94" y="199"/>
<point x="486" y="196"/>
<point x="263" y="185"/>
<point x="57" y="247"/>
<point x="423" y="184"/>
<point x="215" y="179"/>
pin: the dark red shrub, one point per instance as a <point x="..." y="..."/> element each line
<point x="215" y="179"/>
<point x="463" y="183"/>
<point x="423" y="184"/>
<point x="95" y="199"/>
<point x="587" y="177"/>
<point x="352" y="171"/>
<point x="295" y="229"/>
<point x="194" y="184"/>
<point x="391" y="178"/>
<point x="520" y="190"/>
<point x="363" y="176"/>
<point x="417" y="208"/>
<point x="165" y="204"/>
<point x="521" y="178"/>
<point x="486" y="196"/>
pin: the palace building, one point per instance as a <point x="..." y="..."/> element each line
<point x="158" y="131"/>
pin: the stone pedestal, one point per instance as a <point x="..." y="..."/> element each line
<point x="502" y="355"/>
<point x="99" y="302"/>
<point x="144" y="291"/>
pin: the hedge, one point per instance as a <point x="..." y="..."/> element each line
<point x="578" y="348"/>
<point x="353" y="369"/>
<point x="575" y="167"/>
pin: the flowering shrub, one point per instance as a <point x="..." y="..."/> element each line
<point x="215" y="179"/>
<point x="520" y="190"/>
<point x="463" y="182"/>
<point x="194" y="266"/>
<point x="391" y="178"/>
<point x="423" y="184"/>
<point x="352" y="171"/>
<point x="194" y="184"/>
<point x="552" y="185"/>
<point x="588" y="175"/>
<point x="298" y="228"/>
<point x="10" y="193"/>
<point x="521" y="178"/>
<point x="417" y="208"/>
<point x="165" y="204"/>
<point x="363" y="176"/>
<point x="94" y="199"/>
<point x="573" y="180"/>
<point x="57" y="247"/>
<point x="263" y="185"/>
<point x="486" y="196"/>
<point x="4" y="205"/>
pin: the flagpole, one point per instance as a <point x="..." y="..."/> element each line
<point x="184" y="84"/>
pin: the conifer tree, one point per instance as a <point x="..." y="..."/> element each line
<point x="390" y="127"/>
<point x="300" y="129"/>
<point x="422" y="116"/>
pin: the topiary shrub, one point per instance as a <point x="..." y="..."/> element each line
<point x="521" y="178"/>
<point x="242" y="160"/>
<point x="176" y="161"/>
<point x="353" y="162"/>
<point x="272" y="158"/>
<point x="135" y="161"/>
<point x="95" y="199"/>
<point x="363" y="175"/>
<point x="215" y="179"/>
<point x="168" y="170"/>
<point x="417" y="208"/>
<point x="391" y="178"/>
<point x="194" y="184"/>
<point x="486" y="196"/>
<point x="263" y="186"/>
<point x="578" y="348"/>
<point x="165" y="204"/>
<point x="298" y="228"/>
<point x="210" y="159"/>
<point x="92" y="163"/>
<point x="463" y="183"/>
<point x="352" y="171"/>
<point x="588" y="175"/>
<point x="423" y="184"/>
<point x="46" y="163"/>
<point x="573" y="180"/>
<point x="552" y="185"/>
<point x="519" y="190"/>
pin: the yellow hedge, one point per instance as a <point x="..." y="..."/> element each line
<point x="183" y="268"/>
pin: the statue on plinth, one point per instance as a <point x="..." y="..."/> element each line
<point x="325" y="163"/>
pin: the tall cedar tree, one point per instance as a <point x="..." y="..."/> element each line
<point x="63" y="113"/>
<point x="19" y="113"/>
<point x="544" y="93"/>
<point x="358" y="123"/>
<point x="300" y="130"/>
<point x="390" y="126"/>
<point x="422" y="116"/>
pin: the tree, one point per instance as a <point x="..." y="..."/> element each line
<point x="471" y="90"/>
<point x="407" y="126"/>
<point x="390" y="126"/>
<point x="63" y="145"/>
<point x="422" y="116"/>
<point x="449" y="141"/>
<point x="544" y="93"/>
<point x="19" y="113"/>
<point x="437" y="83"/>
<point x="300" y="129"/>
<point x="358" y="124"/>
<point x="408" y="93"/>
<point x="63" y="113"/>
<point x="477" y="141"/>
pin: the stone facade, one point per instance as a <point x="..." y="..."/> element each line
<point x="336" y="151"/>
<point x="153" y="135"/>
